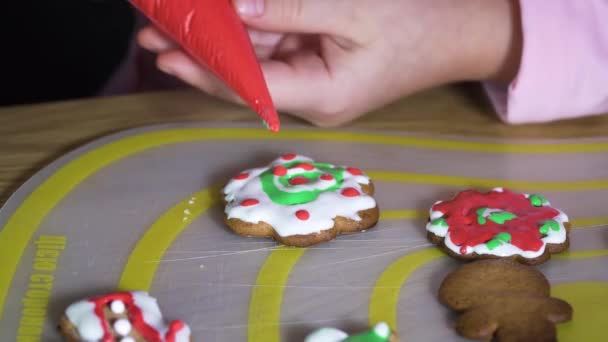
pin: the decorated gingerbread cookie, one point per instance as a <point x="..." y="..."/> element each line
<point x="120" y="317"/>
<point x="504" y="300"/>
<point x="379" y="333"/>
<point x="299" y="202"/>
<point x="499" y="224"/>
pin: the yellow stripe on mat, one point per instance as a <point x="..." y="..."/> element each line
<point x="143" y="261"/>
<point x="267" y="295"/>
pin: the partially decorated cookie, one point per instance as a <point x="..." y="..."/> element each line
<point x="381" y="332"/>
<point x="499" y="224"/>
<point x="300" y="202"/>
<point x="504" y="301"/>
<point x="120" y="317"/>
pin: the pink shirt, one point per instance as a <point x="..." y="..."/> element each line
<point x="564" y="67"/>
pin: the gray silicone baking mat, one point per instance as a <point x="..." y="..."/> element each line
<point x="138" y="210"/>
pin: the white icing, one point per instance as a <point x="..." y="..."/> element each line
<point x="122" y="327"/>
<point x="127" y="339"/>
<point x="505" y="249"/>
<point x="117" y="307"/>
<point x="282" y="218"/>
<point x="82" y="315"/>
<point x="326" y="335"/>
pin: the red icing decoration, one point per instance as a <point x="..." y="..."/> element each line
<point x="279" y="171"/>
<point x="213" y="34"/>
<point x="298" y="180"/>
<point x="242" y="176"/>
<point x="354" y="171"/>
<point x="304" y="166"/>
<point x="289" y="156"/>
<point x="136" y="318"/>
<point x="302" y="215"/>
<point x="327" y="177"/>
<point x="350" y="192"/>
<point x="249" y="202"/>
<point x="461" y="217"/>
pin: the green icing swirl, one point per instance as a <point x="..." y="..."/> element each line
<point x="300" y="197"/>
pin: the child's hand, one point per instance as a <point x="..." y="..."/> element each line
<point x="330" y="61"/>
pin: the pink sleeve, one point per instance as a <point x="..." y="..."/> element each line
<point x="564" y="66"/>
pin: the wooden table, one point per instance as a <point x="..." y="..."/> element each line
<point x="33" y="136"/>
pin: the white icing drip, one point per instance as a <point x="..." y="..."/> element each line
<point x="282" y="218"/>
<point x="326" y="335"/>
<point x="117" y="307"/>
<point x="82" y="315"/>
<point x="127" y="339"/>
<point x="498" y="189"/>
<point x="122" y="327"/>
<point x="150" y="311"/>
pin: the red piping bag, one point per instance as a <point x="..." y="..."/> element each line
<point x="213" y="34"/>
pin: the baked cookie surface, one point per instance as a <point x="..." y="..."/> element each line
<point x="300" y="202"/>
<point x="498" y="224"/>
<point x="504" y="300"/>
<point x="120" y="317"/>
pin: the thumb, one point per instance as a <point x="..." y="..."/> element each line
<point x="294" y="16"/>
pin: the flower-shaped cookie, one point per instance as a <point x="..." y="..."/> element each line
<point x="299" y="202"/>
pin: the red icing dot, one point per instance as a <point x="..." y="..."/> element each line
<point x="305" y="166"/>
<point x="249" y="202"/>
<point x="289" y="156"/>
<point x="463" y="250"/>
<point x="298" y="180"/>
<point x="350" y="192"/>
<point x="279" y="171"/>
<point x="327" y="177"/>
<point x="242" y="176"/>
<point x="354" y="171"/>
<point x="302" y="215"/>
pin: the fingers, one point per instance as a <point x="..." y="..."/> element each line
<point x="180" y="65"/>
<point x="150" y="38"/>
<point x="299" y="16"/>
<point x="264" y="43"/>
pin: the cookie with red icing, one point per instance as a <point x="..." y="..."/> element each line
<point x="300" y="202"/>
<point x="499" y="224"/>
<point x="120" y="317"/>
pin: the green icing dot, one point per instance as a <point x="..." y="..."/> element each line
<point x="300" y="197"/>
<point x="551" y="224"/>
<point x="537" y="200"/>
<point x="373" y="335"/>
<point x="501" y="217"/>
<point x="439" y="222"/>
<point x="498" y="239"/>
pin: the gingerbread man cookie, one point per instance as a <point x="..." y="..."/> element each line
<point x="503" y="299"/>
<point x="299" y="202"/>
<point x="499" y="224"/>
<point x="120" y="317"/>
<point x="381" y="332"/>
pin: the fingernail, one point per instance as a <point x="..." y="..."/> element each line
<point x="250" y="8"/>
